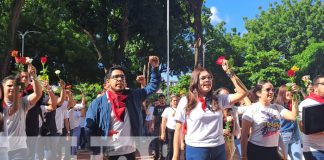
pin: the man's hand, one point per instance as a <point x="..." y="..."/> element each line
<point x="62" y="84"/>
<point x="32" y="70"/>
<point x="154" y="61"/>
<point x="140" y="79"/>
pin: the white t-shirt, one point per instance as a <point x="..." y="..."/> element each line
<point x="149" y="115"/>
<point x="312" y="142"/>
<point x="265" y="123"/>
<point x="169" y="114"/>
<point x="60" y="115"/>
<point x="15" y="125"/>
<point x="204" y="129"/>
<point x="122" y="143"/>
<point x="74" y="118"/>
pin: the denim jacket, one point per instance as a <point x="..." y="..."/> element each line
<point x="99" y="111"/>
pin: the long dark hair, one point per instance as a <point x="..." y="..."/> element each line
<point x="192" y="95"/>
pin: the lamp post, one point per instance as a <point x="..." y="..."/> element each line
<point x="22" y="35"/>
<point x="168" y="50"/>
<point x="204" y="49"/>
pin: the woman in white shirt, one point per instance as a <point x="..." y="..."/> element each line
<point x="202" y="112"/>
<point x="264" y="119"/>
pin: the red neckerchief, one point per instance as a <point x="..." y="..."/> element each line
<point x="203" y="103"/>
<point x="316" y="97"/>
<point x="28" y="90"/>
<point x="118" y="106"/>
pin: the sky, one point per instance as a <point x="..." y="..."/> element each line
<point x="233" y="11"/>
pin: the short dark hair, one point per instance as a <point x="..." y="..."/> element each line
<point x="161" y="95"/>
<point x="115" y="67"/>
<point x="315" y="80"/>
<point x="11" y="77"/>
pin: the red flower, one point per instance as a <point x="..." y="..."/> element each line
<point x="23" y="60"/>
<point x="291" y="73"/>
<point x="14" y="53"/>
<point x="220" y="60"/>
<point x="17" y="59"/>
<point x="43" y="60"/>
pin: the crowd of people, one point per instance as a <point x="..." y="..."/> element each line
<point x="205" y="124"/>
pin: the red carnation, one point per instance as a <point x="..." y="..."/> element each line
<point x="220" y="60"/>
<point x="43" y="60"/>
<point x="291" y="73"/>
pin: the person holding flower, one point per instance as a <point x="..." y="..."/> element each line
<point x="201" y="110"/>
<point x="289" y="129"/>
<point x="313" y="144"/>
<point x="263" y="118"/>
<point x="16" y="115"/>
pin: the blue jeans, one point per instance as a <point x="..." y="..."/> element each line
<point x="205" y="153"/>
<point x="293" y="150"/>
<point x="315" y="155"/>
<point x="238" y="146"/>
<point x="75" y="139"/>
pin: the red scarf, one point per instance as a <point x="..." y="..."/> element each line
<point x="316" y="97"/>
<point x="118" y="106"/>
<point x="203" y="103"/>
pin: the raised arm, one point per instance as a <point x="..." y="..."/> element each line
<point x="37" y="94"/>
<point x="61" y="99"/>
<point x="241" y="90"/>
<point x="52" y="101"/>
<point x="155" y="80"/>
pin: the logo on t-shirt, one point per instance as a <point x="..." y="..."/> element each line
<point x="271" y="125"/>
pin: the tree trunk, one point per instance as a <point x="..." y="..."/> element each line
<point x="12" y="29"/>
<point x="196" y="6"/>
<point x="123" y="37"/>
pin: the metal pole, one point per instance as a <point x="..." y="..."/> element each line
<point x="23" y="40"/>
<point x="22" y="45"/>
<point x="204" y="50"/>
<point x="168" y="56"/>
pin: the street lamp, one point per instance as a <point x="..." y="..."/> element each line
<point x="22" y="35"/>
<point x="204" y="49"/>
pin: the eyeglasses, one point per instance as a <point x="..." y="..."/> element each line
<point x="121" y="76"/>
<point x="206" y="77"/>
<point x="322" y="83"/>
<point x="269" y="89"/>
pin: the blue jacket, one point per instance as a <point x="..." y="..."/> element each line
<point x="99" y="111"/>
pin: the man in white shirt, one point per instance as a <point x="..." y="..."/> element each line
<point x="15" y="110"/>
<point x="313" y="144"/>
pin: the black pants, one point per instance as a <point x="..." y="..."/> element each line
<point x="255" y="152"/>
<point x="170" y="136"/>
<point x="83" y="138"/>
